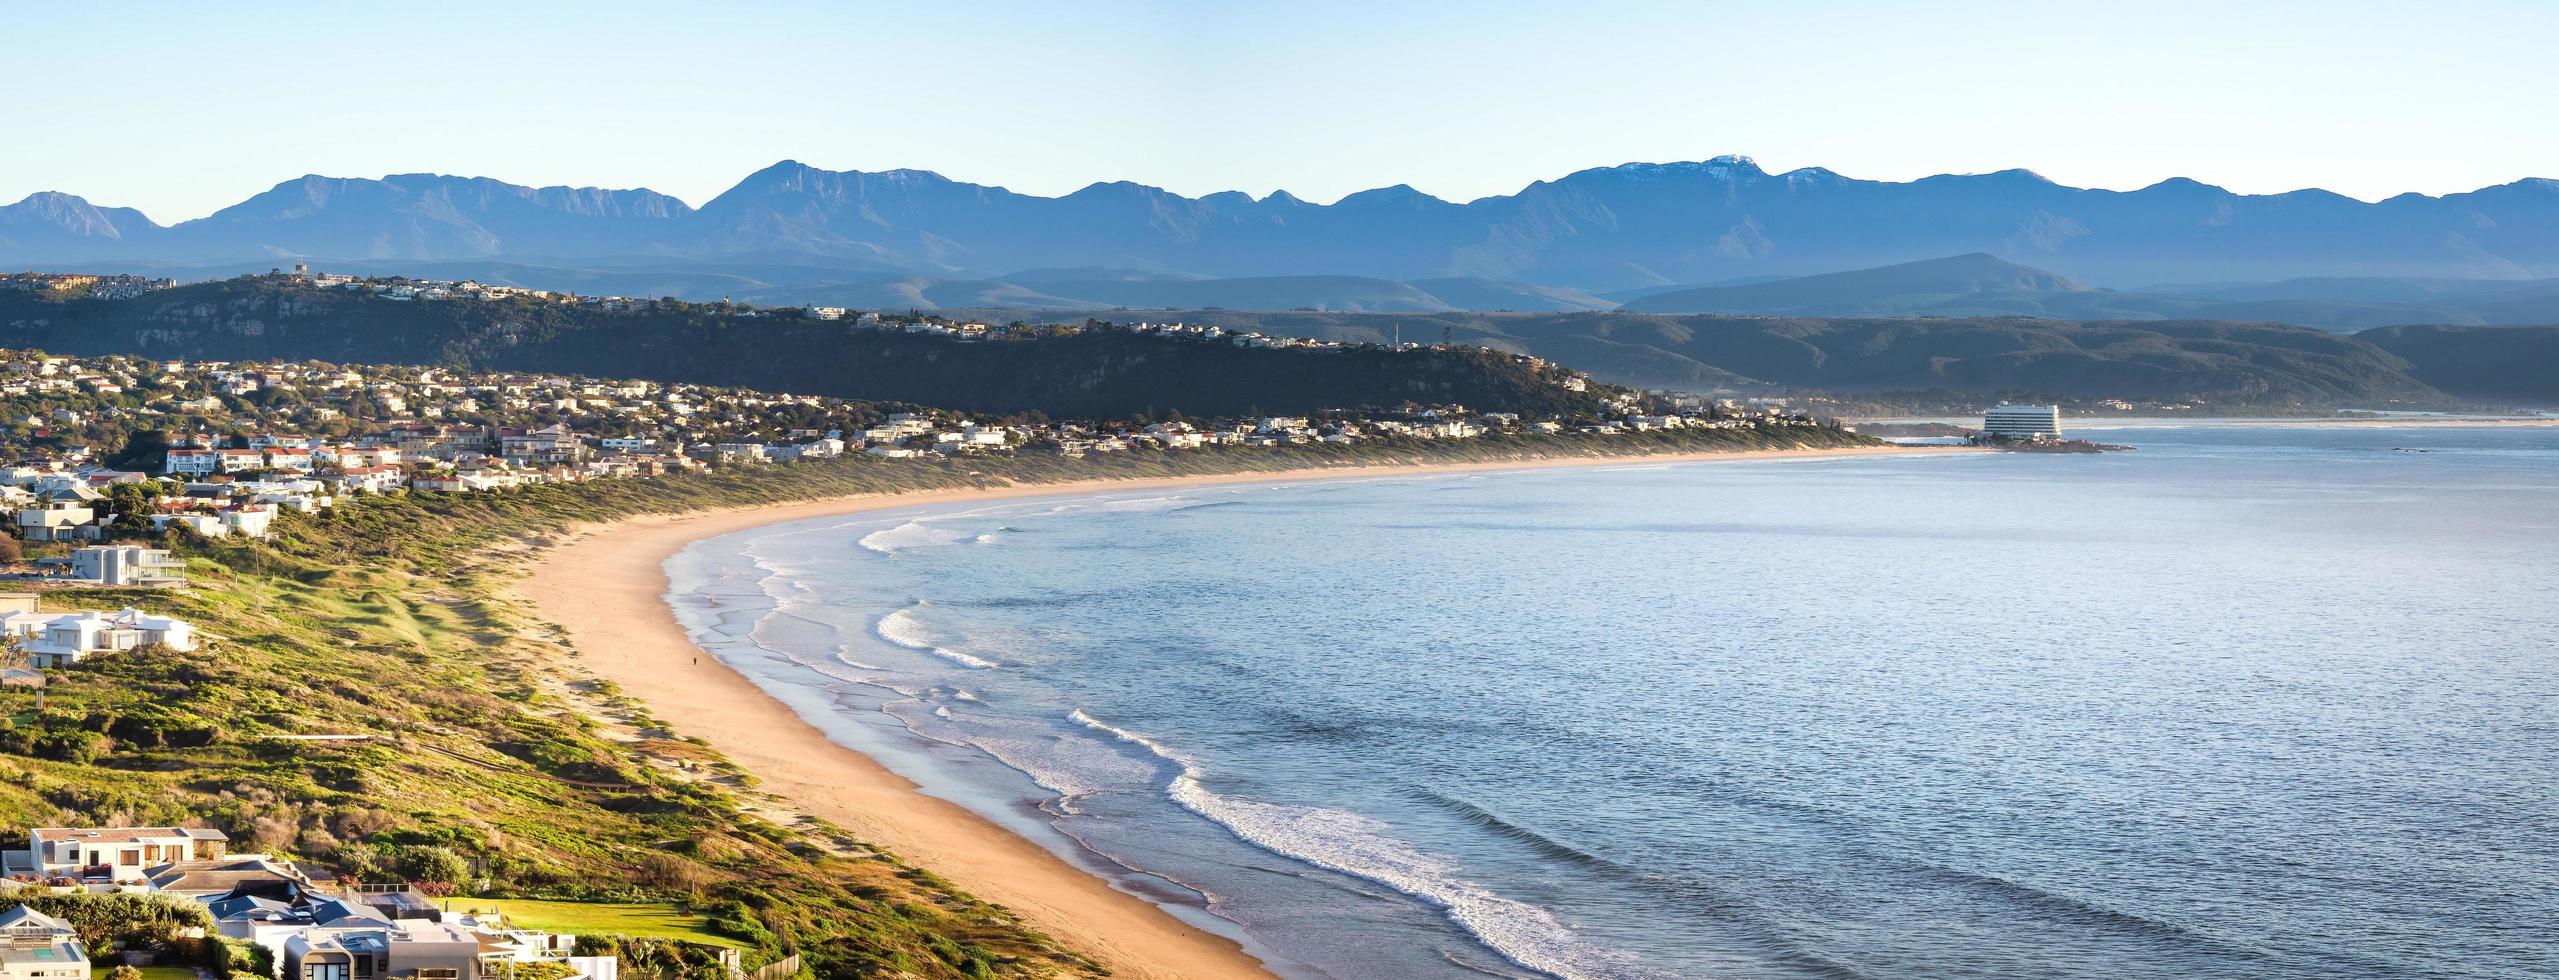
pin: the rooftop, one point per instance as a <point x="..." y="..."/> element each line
<point x="128" y="835"/>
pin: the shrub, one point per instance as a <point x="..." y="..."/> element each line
<point x="433" y="864"/>
<point x="69" y="745"/>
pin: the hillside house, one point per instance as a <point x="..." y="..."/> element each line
<point x="60" y="639"/>
<point x="60" y="519"/>
<point x="36" y="946"/>
<point x="117" y="565"/>
<point x="115" y="853"/>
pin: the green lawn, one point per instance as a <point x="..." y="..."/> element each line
<point x="595" y="918"/>
<point x="163" y="973"/>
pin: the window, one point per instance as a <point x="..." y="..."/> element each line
<point x="324" y="971"/>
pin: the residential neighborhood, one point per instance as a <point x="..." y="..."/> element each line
<point x="117" y="449"/>
<point x="310" y="924"/>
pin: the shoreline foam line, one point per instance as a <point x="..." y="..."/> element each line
<point x="606" y="586"/>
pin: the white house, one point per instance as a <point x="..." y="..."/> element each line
<point x="120" y="565"/>
<point x="36" y="946"/>
<point x="193" y="462"/>
<point x="250" y="521"/>
<point x="57" y="520"/>
<point x="121" y="852"/>
<point x="59" y="639"/>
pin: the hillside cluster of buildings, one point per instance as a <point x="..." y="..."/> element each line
<point x="68" y="284"/>
<point x="248" y="441"/>
<point x="315" y="926"/>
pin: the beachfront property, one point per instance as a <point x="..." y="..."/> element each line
<point x="36" y="946"/>
<point x="354" y="937"/>
<point x="318" y="928"/>
<point x="114" y="853"/>
<point x="61" y="639"/>
<point x="58" y="518"/>
<point x="116" y="565"/>
<point x="2028" y="423"/>
<point x="260" y="875"/>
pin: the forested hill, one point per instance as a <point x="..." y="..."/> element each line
<point x="1093" y="373"/>
<point x="2230" y="365"/>
<point x="2518" y="364"/>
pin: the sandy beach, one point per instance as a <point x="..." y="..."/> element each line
<point x="606" y="586"/>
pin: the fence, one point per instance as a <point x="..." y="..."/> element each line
<point x="785" y="967"/>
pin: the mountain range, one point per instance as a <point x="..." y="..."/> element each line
<point x="1620" y="230"/>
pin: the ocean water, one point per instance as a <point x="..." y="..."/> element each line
<point x="2257" y="702"/>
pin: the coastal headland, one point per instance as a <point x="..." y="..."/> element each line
<point x="605" y="585"/>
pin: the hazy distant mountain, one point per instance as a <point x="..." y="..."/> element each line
<point x="1599" y="230"/>
<point x="1470" y="293"/>
<point x="1905" y="288"/>
<point x="64" y="228"/>
<point x="424" y="216"/>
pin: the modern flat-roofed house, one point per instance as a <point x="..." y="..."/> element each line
<point x="330" y="954"/>
<point x="119" y="565"/>
<point x="36" y="946"/>
<point x="59" y="639"/>
<point x="409" y="950"/>
<point x="58" y="520"/>
<point x="192" y="462"/>
<point x="118" y="853"/>
<point x="239" y="874"/>
<point x="2023" y="422"/>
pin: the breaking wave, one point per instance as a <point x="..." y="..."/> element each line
<point x="900" y="628"/>
<point x="912" y="535"/>
<point x="1356" y="845"/>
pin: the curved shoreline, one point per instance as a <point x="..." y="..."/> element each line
<point x="607" y="584"/>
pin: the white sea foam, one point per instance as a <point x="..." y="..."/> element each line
<point x="903" y="629"/>
<point x="844" y="655"/>
<point x="1356" y="845"/>
<point x="912" y="535"/>
<point x="1140" y="505"/>
<point x="1033" y="757"/>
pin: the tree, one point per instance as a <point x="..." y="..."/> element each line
<point x="147" y="450"/>
<point x="125" y="971"/>
<point x="11" y="551"/>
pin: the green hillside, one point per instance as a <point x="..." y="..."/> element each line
<point x="1076" y="373"/>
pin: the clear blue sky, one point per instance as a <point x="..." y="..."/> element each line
<point x="181" y="108"/>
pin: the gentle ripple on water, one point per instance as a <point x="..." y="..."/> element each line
<point x="2248" y="703"/>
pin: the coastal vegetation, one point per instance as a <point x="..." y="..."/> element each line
<point x="369" y="700"/>
<point x="635" y="920"/>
